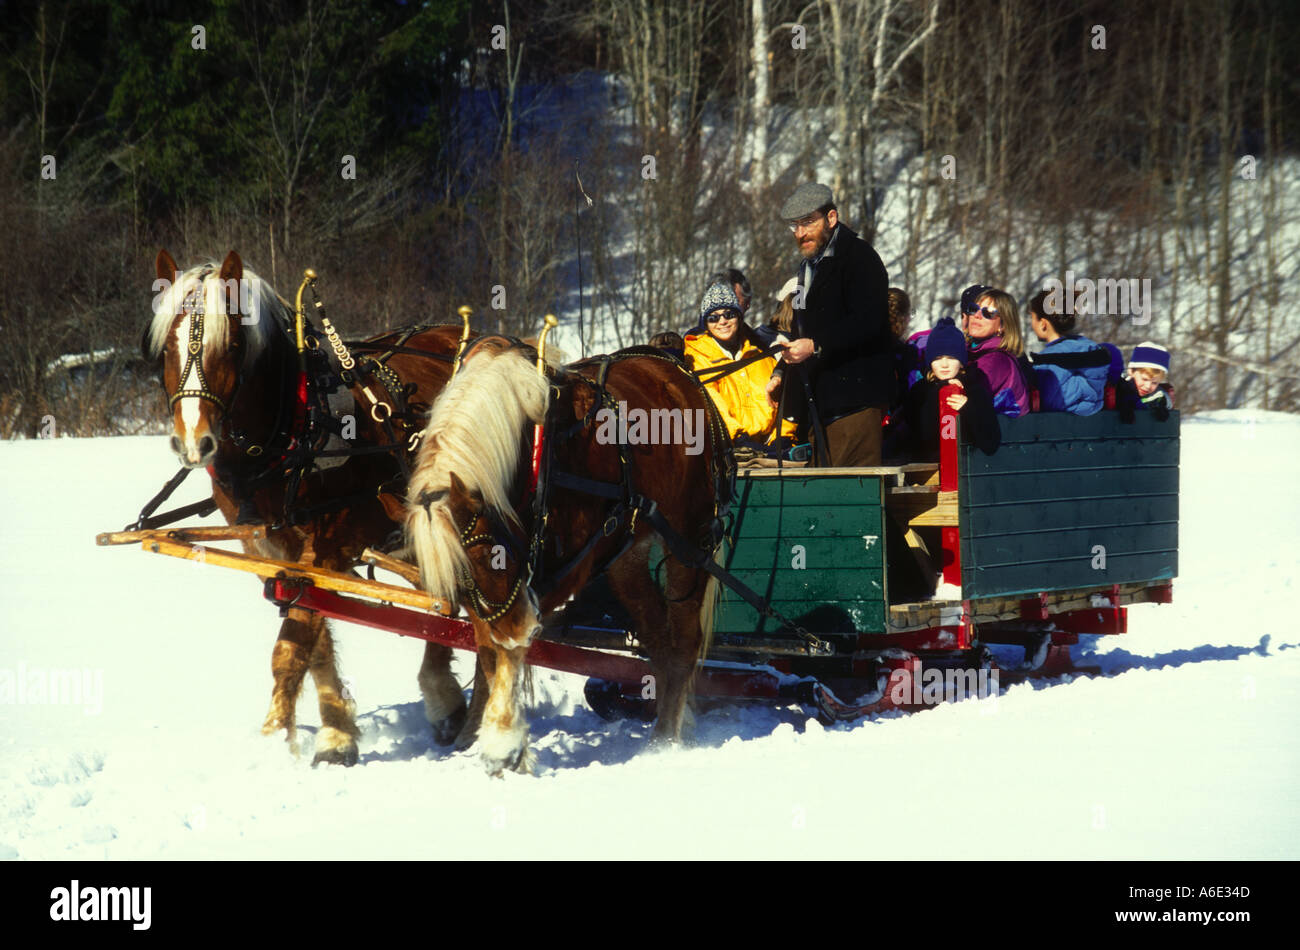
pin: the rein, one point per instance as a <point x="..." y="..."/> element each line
<point x="715" y="373"/>
<point x="626" y="500"/>
<point x="489" y="611"/>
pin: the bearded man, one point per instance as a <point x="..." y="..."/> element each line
<point x="842" y="340"/>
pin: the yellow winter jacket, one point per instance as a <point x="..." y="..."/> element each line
<point x="741" y="397"/>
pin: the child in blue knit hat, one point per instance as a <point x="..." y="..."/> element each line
<point x="945" y="353"/>
<point x="1148" y="369"/>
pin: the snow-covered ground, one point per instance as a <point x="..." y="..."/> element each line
<point x="1186" y="748"/>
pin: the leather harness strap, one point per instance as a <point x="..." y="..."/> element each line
<point x="290" y="451"/>
<point x="711" y="374"/>
<point x="193" y="306"/>
<point x="626" y="501"/>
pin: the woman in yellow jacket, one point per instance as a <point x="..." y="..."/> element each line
<point x="741" y="396"/>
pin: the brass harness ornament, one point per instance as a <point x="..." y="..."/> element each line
<point x="379" y="410"/>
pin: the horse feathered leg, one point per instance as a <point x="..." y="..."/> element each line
<point x="687" y="589"/>
<point x="484" y="670"/>
<point x="290" y="658"/>
<point x="337" y="740"/>
<point x="444" y="703"/>
<point x="670" y="631"/>
<point x="503" y="737"/>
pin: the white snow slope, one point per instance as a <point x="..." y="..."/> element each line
<point x="1186" y="748"/>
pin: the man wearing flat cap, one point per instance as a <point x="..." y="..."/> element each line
<point x="842" y="339"/>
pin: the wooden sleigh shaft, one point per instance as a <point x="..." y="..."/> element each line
<point x="180" y="543"/>
<point x="249" y="532"/>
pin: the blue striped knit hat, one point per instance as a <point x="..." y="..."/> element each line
<point x="1148" y="355"/>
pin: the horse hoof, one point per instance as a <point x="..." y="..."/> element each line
<point x="665" y="741"/>
<point x="346" y="756"/>
<point x="334" y="747"/>
<point x="466" y="738"/>
<point x="522" y="761"/>
<point x="446" y="731"/>
<point x="273" y="726"/>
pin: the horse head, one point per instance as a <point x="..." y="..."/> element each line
<point x="462" y="518"/>
<point x="495" y="578"/>
<point x="208" y="328"/>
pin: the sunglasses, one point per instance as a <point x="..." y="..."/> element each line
<point x="988" y="312"/>
<point x="715" y="317"/>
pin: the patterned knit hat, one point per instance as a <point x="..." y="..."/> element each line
<point x="719" y="297"/>
<point x="945" y="340"/>
<point x="1148" y="355"/>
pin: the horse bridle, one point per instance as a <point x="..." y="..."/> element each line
<point x="192" y="306"/>
<point x="489" y="611"/>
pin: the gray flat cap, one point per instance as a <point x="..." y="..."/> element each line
<point x="806" y="199"/>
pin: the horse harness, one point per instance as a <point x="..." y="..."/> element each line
<point x="303" y="419"/>
<point x="192" y="306"/>
<point x="489" y="611"/>
<point x="627" y="504"/>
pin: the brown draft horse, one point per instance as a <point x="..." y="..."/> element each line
<point x="471" y="523"/>
<point x="232" y="412"/>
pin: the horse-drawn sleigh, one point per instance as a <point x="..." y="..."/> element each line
<point x="788" y="590"/>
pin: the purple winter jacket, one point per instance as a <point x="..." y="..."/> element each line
<point x="1010" y="397"/>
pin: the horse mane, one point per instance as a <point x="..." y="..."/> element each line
<point x="476" y="430"/>
<point x="264" y="305"/>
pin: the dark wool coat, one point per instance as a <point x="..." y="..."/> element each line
<point x="846" y="314"/>
<point x="979" y="421"/>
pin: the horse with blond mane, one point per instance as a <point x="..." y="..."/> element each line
<point x="511" y="550"/>
<point x="230" y="370"/>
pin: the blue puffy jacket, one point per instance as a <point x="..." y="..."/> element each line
<point x="1072" y="373"/>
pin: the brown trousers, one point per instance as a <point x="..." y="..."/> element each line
<point x="854" y="440"/>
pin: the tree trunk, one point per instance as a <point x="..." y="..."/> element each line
<point x="1271" y="222"/>
<point x="843" y="97"/>
<point x="759" y="109"/>
<point x="287" y="215"/>
<point x="1224" y="276"/>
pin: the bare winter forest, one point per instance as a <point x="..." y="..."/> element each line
<point x="601" y="159"/>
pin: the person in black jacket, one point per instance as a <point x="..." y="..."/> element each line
<point x="842" y="345"/>
<point x="907" y="365"/>
<point x="945" y="353"/>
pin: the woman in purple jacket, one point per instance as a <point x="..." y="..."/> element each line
<point x="996" y="348"/>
